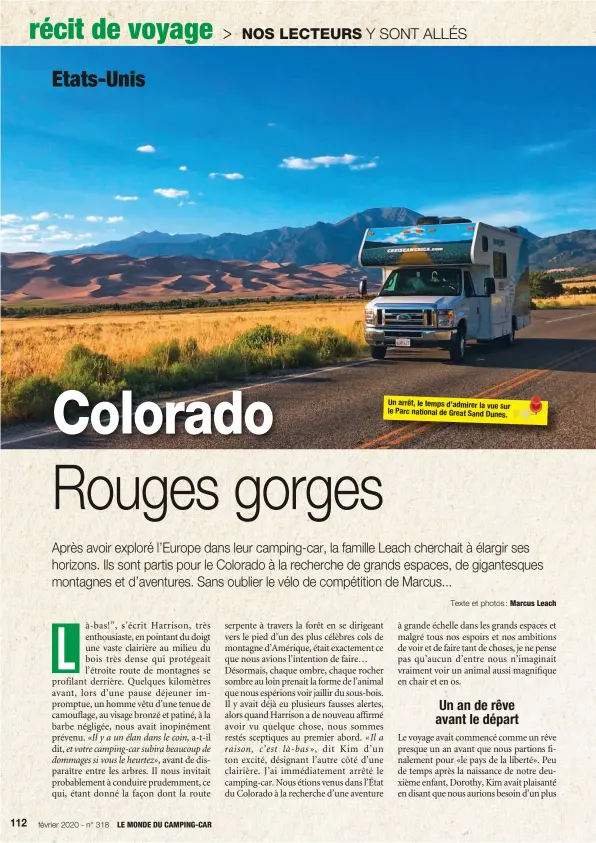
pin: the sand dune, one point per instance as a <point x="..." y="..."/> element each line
<point x="30" y="277"/>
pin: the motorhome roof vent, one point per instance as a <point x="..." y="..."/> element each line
<point x="427" y="221"/>
<point x="451" y="220"/>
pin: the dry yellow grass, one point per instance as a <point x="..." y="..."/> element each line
<point x="37" y="345"/>
<point x="567" y="300"/>
<point x="587" y="281"/>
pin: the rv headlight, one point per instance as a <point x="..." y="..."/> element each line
<point x="369" y="316"/>
<point x="445" y="318"/>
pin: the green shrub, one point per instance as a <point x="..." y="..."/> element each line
<point x="228" y="363"/>
<point x="96" y="375"/>
<point x="190" y="351"/>
<point x="81" y="360"/>
<point x="30" y="398"/>
<point x="180" y="376"/>
<point x="169" y="366"/>
<point x="329" y="343"/>
<point x="163" y="354"/>
<point x="260" y="337"/>
<point x="297" y="352"/>
<point x="140" y="379"/>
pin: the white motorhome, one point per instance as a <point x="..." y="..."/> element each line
<point x="446" y="281"/>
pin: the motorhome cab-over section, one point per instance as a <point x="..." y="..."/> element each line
<point x="446" y="282"/>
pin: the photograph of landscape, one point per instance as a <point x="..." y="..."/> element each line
<point x="201" y="233"/>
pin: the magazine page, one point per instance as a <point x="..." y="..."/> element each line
<point x="298" y="431"/>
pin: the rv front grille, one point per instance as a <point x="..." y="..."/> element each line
<point x="408" y="318"/>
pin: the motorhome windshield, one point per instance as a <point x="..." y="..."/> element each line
<point x="423" y="281"/>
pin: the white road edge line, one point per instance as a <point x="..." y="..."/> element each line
<point x="268" y="382"/>
<point x="564" y="318"/>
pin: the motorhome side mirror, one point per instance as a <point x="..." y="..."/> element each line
<point x="489" y="286"/>
<point x="363" y="286"/>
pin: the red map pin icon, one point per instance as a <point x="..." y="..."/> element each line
<point x="535" y="404"/>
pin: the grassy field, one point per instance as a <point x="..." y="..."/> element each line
<point x="568" y="300"/>
<point x="38" y="346"/>
<point x="152" y="353"/>
<point x="588" y="281"/>
<point x="157" y="352"/>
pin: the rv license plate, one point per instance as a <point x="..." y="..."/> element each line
<point x="403" y="341"/>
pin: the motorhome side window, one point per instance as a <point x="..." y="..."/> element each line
<point x="499" y="265"/>
<point x="468" y="285"/>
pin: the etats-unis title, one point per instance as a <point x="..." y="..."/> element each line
<point x="83" y="79"/>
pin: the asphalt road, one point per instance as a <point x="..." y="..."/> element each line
<point x="341" y="406"/>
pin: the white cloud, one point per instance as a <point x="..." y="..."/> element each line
<point x="10" y="219"/>
<point x="44" y="215"/>
<point x="94" y="219"/>
<point x="115" y="219"/>
<point x="15" y="237"/>
<point x="326" y="161"/>
<point x="366" y="165"/>
<point x="33" y="238"/>
<point x="542" y="213"/>
<point x="184" y="168"/>
<point x="147" y="148"/>
<point x="192" y="202"/>
<point x="126" y="198"/>
<point x="68" y="217"/>
<point x="541" y="148"/>
<point x="228" y="176"/>
<point x="170" y="192"/>
<point x="60" y="235"/>
<point x="518" y="208"/>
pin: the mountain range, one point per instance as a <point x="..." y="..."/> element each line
<point x="323" y="242"/>
<point x="283" y="262"/>
<point x="560" y="251"/>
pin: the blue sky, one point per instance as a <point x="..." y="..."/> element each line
<point x="288" y="136"/>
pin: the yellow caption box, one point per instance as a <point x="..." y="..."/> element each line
<point x="465" y="410"/>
